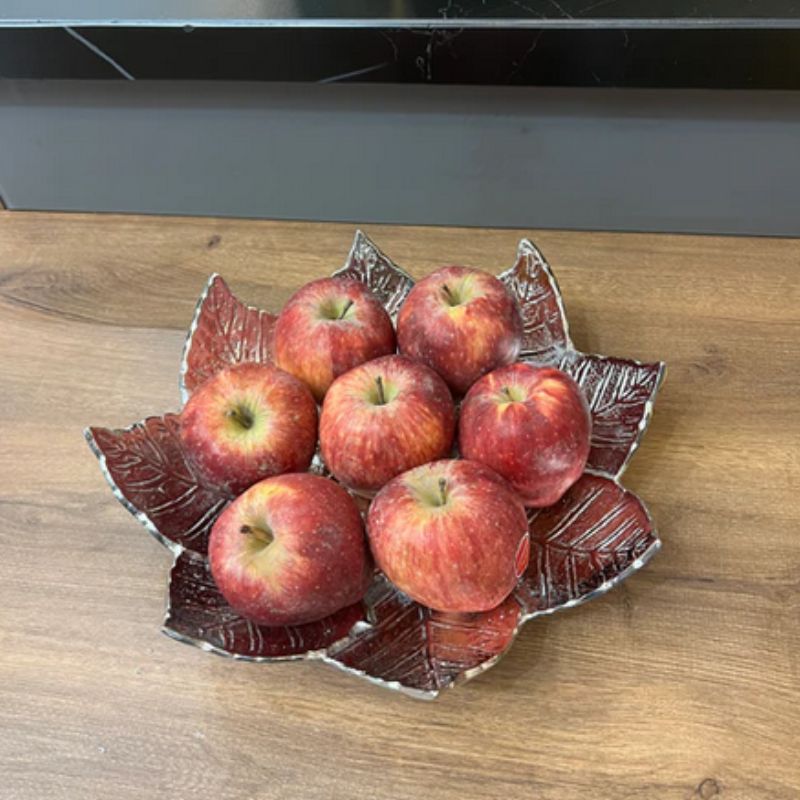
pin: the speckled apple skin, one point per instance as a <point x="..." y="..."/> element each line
<point x="365" y="445"/>
<point x="284" y="441"/>
<point x="463" y="556"/>
<point x="460" y="342"/>
<point x="317" y="563"/>
<point x="539" y="443"/>
<point x="317" y="349"/>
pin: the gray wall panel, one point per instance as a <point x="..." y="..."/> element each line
<point x="716" y="162"/>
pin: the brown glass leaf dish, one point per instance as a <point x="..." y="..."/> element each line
<point x="590" y="540"/>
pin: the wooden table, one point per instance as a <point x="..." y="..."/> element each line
<point x="682" y="683"/>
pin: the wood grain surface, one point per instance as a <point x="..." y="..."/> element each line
<point x="684" y="683"/>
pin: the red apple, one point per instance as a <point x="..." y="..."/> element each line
<point x="461" y="322"/>
<point x="248" y="422"/>
<point x="532" y="426"/>
<point x="290" y="550"/>
<point x="383" y="418"/>
<point x="452" y="535"/>
<point x="328" y="327"/>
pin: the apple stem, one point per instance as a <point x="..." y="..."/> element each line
<point x="507" y="392"/>
<point x="443" y="490"/>
<point x="243" y="418"/>
<point x="381" y="394"/>
<point x="346" y="308"/>
<point x="450" y="296"/>
<point x="261" y="534"/>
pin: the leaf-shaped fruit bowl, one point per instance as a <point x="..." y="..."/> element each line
<point x="590" y="540"/>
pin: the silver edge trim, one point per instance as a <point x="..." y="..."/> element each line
<point x="635" y="566"/>
<point x="417" y="694"/>
<point x="187" y="344"/>
<point x="173" y="547"/>
<point x="309" y="655"/>
<point x="677" y="23"/>
<point x="644" y="422"/>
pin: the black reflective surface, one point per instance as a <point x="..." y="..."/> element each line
<point x="619" y="43"/>
<point x="612" y="58"/>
